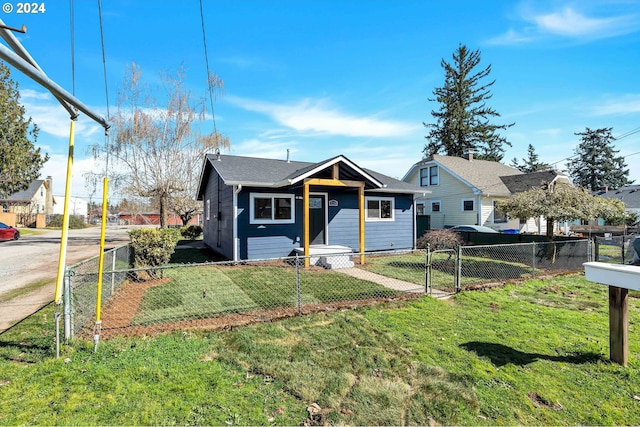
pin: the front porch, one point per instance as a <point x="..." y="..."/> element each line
<point x="328" y="256"/>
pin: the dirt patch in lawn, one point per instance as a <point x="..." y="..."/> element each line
<point x="119" y="313"/>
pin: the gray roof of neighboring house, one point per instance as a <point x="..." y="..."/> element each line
<point x="629" y="194"/>
<point x="527" y="181"/>
<point x="26" y="195"/>
<point x="260" y="172"/>
<point x="482" y="174"/>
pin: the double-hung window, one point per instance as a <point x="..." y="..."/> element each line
<point x="429" y="176"/>
<point x="468" y="205"/>
<point x="272" y="208"/>
<point x="379" y="208"/>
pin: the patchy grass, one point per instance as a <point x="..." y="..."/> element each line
<point x="528" y="354"/>
<point x="14" y="293"/>
<point x="209" y="291"/>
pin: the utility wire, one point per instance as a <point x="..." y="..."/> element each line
<point x="209" y="82"/>
<point x="72" y="28"/>
<point x="106" y="87"/>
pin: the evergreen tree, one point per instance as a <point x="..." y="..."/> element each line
<point x="595" y="164"/>
<point x="532" y="163"/>
<point x="20" y="160"/>
<point x="463" y="120"/>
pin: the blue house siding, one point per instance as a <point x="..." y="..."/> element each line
<point x="260" y="241"/>
<point x="396" y="234"/>
<point x="218" y="216"/>
<point x="344" y="220"/>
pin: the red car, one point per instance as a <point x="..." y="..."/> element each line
<point x="8" y="233"/>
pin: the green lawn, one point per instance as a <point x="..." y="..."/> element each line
<point x="411" y="268"/>
<point x="535" y="353"/>
<point x="195" y="292"/>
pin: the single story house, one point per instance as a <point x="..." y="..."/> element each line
<point x="256" y="208"/>
<point x="465" y="190"/>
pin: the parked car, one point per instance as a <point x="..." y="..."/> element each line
<point x="8" y="233"/>
<point x="473" y="228"/>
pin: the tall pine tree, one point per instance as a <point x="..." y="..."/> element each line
<point x="596" y="164"/>
<point x="532" y="163"/>
<point x="463" y="120"/>
<point x="20" y="160"/>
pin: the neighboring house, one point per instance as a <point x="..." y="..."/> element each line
<point x="257" y="208"/>
<point x="465" y="190"/>
<point x="28" y="204"/>
<point x="77" y="207"/>
<point x="629" y="195"/>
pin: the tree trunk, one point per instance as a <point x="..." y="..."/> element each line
<point x="163" y="210"/>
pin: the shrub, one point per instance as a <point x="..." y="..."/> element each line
<point x="439" y="239"/>
<point x="75" y="221"/>
<point x="191" y="232"/>
<point x="153" y="247"/>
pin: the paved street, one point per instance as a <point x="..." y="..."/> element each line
<point x="34" y="258"/>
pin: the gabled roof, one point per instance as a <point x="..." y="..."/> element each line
<point x="272" y="173"/>
<point x="27" y="195"/>
<point x="481" y="175"/>
<point x="527" y="181"/>
<point x="629" y="194"/>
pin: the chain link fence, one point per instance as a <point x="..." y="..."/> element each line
<point x="227" y="294"/>
<point x="614" y="249"/>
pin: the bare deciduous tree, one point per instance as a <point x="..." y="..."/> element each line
<point x="157" y="145"/>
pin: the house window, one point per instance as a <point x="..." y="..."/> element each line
<point x="468" y="205"/>
<point x="429" y="176"/>
<point x="419" y="208"/>
<point x="272" y="208"/>
<point x="379" y="208"/>
<point x="208" y="209"/>
<point x="498" y="217"/>
<point x="435" y="206"/>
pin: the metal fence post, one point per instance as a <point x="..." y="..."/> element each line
<point x="113" y="268"/>
<point x="533" y="260"/>
<point x="298" y="297"/>
<point x="427" y="270"/>
<point x="67" y="305"/>
<point x="458" y="278"/>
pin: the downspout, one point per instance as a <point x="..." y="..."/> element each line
<point x="237" y="189"/>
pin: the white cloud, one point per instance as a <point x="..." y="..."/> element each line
<point x="267" y="150"/>
<point x="570" y="23"/>
<point x="567" y="23"/>
<point x="629" y="104"/>
<point x="318" y="116"/>
<point x="52" y="118"/>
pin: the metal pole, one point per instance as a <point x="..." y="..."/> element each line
<point x="113" y="268"/>
<point x="427" y="270"/>
<point x="299" y="298"/>
<point x="57" y="317"/>
<point x="533" y="260"/>
<point x="67" y="306"/>
<point x="458" y="268"/>
<point x="28" y="69"/>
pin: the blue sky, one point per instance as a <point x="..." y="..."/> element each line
<point x="349" y="77"/>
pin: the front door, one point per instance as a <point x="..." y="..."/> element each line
<point x="317" y="220"/>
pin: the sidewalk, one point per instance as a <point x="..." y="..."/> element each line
<point x="391" y="283"/>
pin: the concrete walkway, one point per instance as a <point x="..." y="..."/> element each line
<point x="389" y="282"/>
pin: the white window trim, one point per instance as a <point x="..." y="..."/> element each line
<point x="431" y="206"/>
<point x="393" y="209"/>
<point x="428" y="177"/>
<point x="467" y="200"/>
<point x="253" y="220"/>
